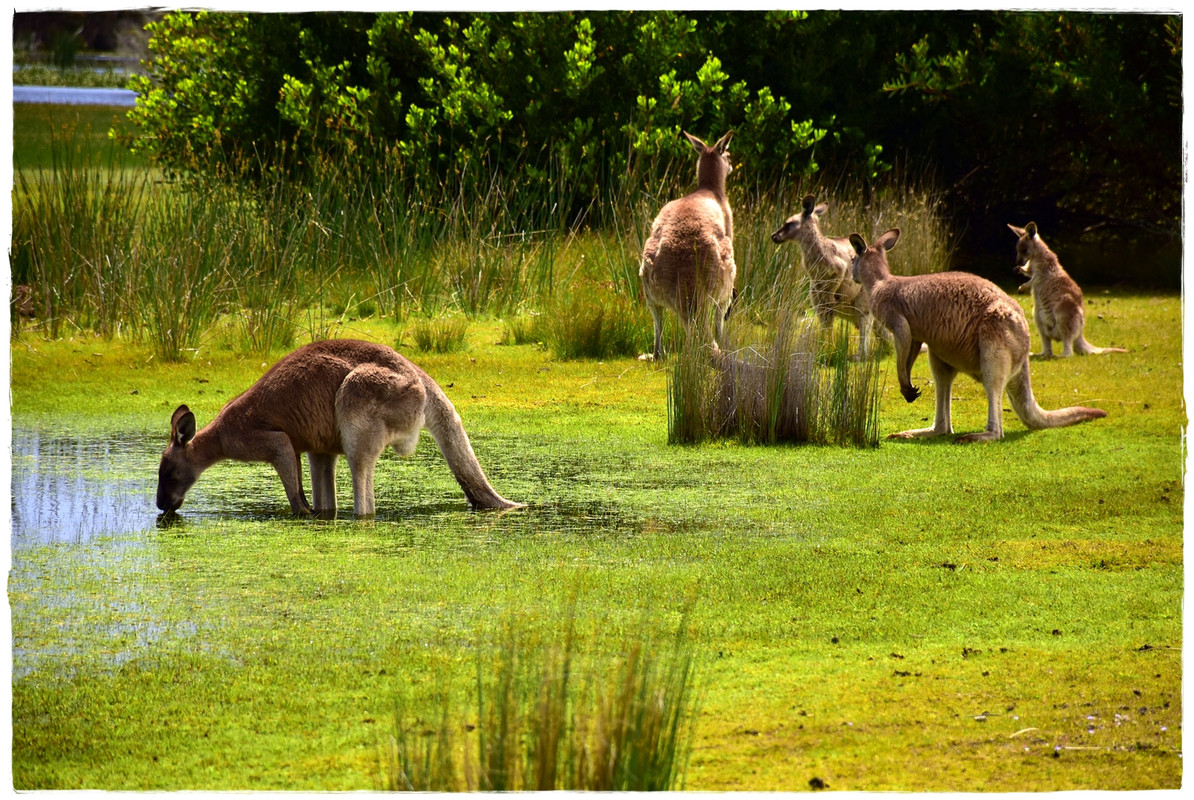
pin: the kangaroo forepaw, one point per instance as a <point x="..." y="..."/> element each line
<point x="910" y="392"/>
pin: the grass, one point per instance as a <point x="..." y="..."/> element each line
<point x="916" y="616"/>
<point x="440" y="335"/>
<point x="912" y="616"/>
<point x="544" y="717"/>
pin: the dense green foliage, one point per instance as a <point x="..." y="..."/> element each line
<point x="1068" y="118"/>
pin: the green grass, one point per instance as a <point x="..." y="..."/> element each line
<point x="917" y="616"/>
<point x="38" y="128"/>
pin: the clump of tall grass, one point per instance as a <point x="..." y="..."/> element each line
<point x="446" y="334"/>
<point x="73" y="229"/>
<point x="549" y="716"/>
<point x="594" y="322"/>
<point x="792" y="387"/>
<point x="521" y="328"/>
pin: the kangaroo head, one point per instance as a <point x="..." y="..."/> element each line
<point x="871" y="262"/>
<point x="714" y="163"/>
<point x="805" y="221"/>
<point x="1027" y="244"/>
<point x="177" y="473"/>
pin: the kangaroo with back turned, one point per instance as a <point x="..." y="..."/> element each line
<point x="970" y="325"/>
<point x="1057" y="304"/>
<point x="326" y="399"/>
<point x="688" y="258"/>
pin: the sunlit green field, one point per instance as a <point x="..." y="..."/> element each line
<point x="919" y="616"/>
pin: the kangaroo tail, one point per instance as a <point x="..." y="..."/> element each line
<point x="445" y="426"/>
<point x="1019" y="391"/>
<point x="1087" y="349"/>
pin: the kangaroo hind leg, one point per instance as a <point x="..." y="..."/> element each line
<point x="996" y="371"/>
<point x="943" y="380"/>
<point x="376" y="407"/>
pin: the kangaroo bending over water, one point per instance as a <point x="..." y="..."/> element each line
<point x="827" y="260"/>
<point x="688" y="259"/>
<point x="970" y="325"/>
<point x="325" y="399"/>
<point x="1057" y="305"/>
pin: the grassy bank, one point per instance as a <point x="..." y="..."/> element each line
<point x="917" y="616"/>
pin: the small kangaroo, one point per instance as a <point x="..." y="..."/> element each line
<point x="827" y="260"/>
<point x="688" y="259"/>
<point x="1057" y="304"/>
<point x="970" y="325"/>
<point x="325" y="399"/>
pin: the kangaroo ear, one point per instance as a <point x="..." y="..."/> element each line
<point x="724" y="142"/>
<point x="889" y="239"/>
<point x="1015" y="230"/>
<point x="696" y="143"/>
<point x="807" y="205"/>
<point x="182" y="426"/>
<point x="1030" y="230"/>
<point x="821" y="209"/>
<point x="858" y="243"/>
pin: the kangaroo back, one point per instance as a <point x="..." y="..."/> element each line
<point x="1058" y="306"/>
<point x="688" y="258"/>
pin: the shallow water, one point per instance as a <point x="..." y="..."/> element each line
<point x="88" y="577"/>
<point x="67" y="488"/>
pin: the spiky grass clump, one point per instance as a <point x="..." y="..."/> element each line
<point x="550" y="716"/>
<point x="595" y="323"/>
<point x="522" y="328"/>
<point x="446" y="334"/>
<point x="791" y="388"/>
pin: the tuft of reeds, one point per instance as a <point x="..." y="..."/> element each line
<point x="520" y="328"/>
<point x="594" y="322"/>
<point x="791" y="387"/>
<point x="551" y="716"/>
<point x="446" y="334"/>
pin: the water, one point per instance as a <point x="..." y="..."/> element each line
<point x="72" y="489"/>
<point x="89" y="582"/>
<point x="66" y="95"/>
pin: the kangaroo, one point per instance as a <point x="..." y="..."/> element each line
<point x="970" y="325"/>
<point x="325" y="399"/>
<point x="827" y="260"/>
<point x="688" y="259"/>
<point x="1057" y="304"/>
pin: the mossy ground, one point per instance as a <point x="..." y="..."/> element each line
<point x="920" y="616"/>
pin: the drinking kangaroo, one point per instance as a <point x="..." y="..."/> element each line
<point x="970" y="325"/>
<point x="827" y="260"/>
<point x="325" y="399"/>
<point x="688" y="259"/>
<point x="1057" y="304"/>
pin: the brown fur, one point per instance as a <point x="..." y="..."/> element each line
<point x="688" y="259"/>
<point x="970" y="325"/>
<point x="827" y="260"/>
<point x="1057" y="305"/>
<point x="325" y="399"/>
